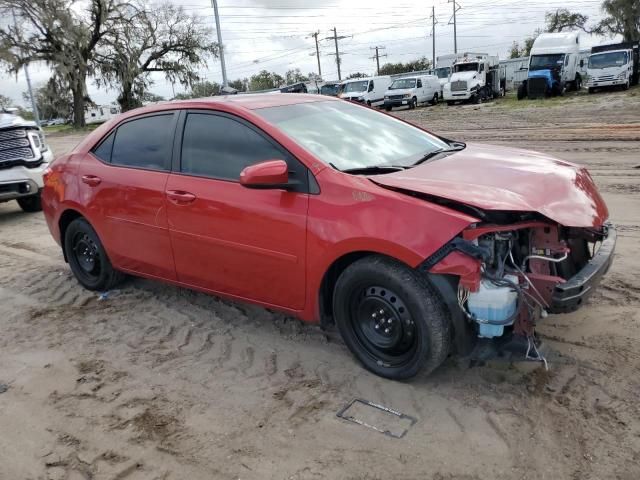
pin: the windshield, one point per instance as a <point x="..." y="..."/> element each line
<point x="329" y="89"/>
<point x="610" y="59"/>
<point x="546" y="62"/>
<point x="355" y="86"/>
<point x="349" y="136"/>
<point x="442" y="72"/>
<point x="465" y="67"/>
<point x="403" y="83"/>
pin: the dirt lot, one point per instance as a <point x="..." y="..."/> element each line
<point x="157" y="382"/>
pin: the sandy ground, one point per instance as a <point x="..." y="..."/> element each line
<point x="157" y="382"/>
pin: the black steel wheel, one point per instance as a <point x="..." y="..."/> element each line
<point x="87" y="257"/>
<point x="434" y="100"/>
<point x="390" y="318"/>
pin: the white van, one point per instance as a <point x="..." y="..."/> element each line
<point x="411" y="91"/>
<point x="365" y="90"/>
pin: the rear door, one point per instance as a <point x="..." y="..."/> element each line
<point x="227" y="238"/>
<point x="123" y="188"/>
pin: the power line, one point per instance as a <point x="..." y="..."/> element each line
<point x="377" y="57"/>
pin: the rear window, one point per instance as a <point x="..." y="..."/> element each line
<point x="144" y="143"/>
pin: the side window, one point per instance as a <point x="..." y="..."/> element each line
<point x="419" y="83"/>
<point x="103" y="150"/>
<point x="220" y="147"/>
<point x="144" y="143"/>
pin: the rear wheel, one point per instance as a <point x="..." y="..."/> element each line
<point x="390" y="318"/>
<point x="434" y="100"/>
<point x="30" y="204"/>
<point x="87" y="257"/>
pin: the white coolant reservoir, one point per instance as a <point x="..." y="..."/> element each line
<point x="493" y="303"/>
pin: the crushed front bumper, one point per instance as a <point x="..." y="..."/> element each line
<point x="571" y="295"/>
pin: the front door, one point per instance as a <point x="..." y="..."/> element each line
<point x="122" y="184"/>
<point x="227" y="238"/>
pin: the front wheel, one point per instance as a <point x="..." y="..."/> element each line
<point x="30" y="204"/>
<point x="390" y="318"/>
<point x="87" y="257"/>
<point x="388" y="109"/>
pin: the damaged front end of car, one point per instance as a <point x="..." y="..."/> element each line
<point x="504" y="274"/>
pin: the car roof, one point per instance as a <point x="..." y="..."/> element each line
<point x="251" y="101"/>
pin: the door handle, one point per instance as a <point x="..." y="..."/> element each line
<point x="180" y="197"/>
<point x="91" y="180"/>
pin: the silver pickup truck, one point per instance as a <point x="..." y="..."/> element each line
<point x="24" y="156"/>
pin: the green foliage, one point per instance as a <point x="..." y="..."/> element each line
<point x="413" y="66"/>
<point x="357" y="75"/>
<point x="518" y="51"/>
<point x="563" y="19"/>
<point x="295" y="76"/>
<point x="265" y="80"/>
<point x="53" y="99"/>
<point x="63" y="34"/>
<point x="5" y="102"/>
<point x="163" y="39"/>
<point x="240" y="84"/>
<point x="623" y="18"/>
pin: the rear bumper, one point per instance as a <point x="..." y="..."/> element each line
<point x="571" y="295"/>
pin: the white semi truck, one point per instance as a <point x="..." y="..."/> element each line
<point x="474" y="78"/>
<point x="554" y="66"/>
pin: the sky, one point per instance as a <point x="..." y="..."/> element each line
<point x="276" y="35"/>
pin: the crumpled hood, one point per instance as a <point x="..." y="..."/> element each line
<point x="507" y="179"/>
<point x="8" y="120"/>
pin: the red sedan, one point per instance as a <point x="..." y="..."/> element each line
<point x="414" y="245"/>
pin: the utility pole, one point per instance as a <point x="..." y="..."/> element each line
<point x="315" y="36"/>
<point x="433" y="34"/>
<point x="455" y="36"/>
<point x="377" y="56"/>
<point x="34" y="105"/>
<point x="224" y="68"/>
<point x="337" y="54"/>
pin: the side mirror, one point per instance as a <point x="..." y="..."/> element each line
<point x="267" y="174"/>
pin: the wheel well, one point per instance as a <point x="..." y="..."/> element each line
<point x="329" y="282"/>
<point x="66" y="218"/>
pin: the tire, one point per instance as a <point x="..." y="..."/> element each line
<point x="368" y="103"/>
<point x="388" y="109"/>
<point x="417" y="332"/>
<point x="434" y="100"/>
<point x="626" y="85"/>
<point x="591" y="90"/>
<point x="414" y="103"/>
<point x="30" y="204"/>
<point x="87" y="257"/>
<point x="522" y="91"/>
<point x="450" y="103"/>
<point x="578" y="83"/>
<point x="475" y="99"/>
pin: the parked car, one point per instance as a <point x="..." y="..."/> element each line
<point x="24" y="156"/>
<point x="411" y="91"/>
<point x="416" y="246"/>
<point x="365" y="90"/>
